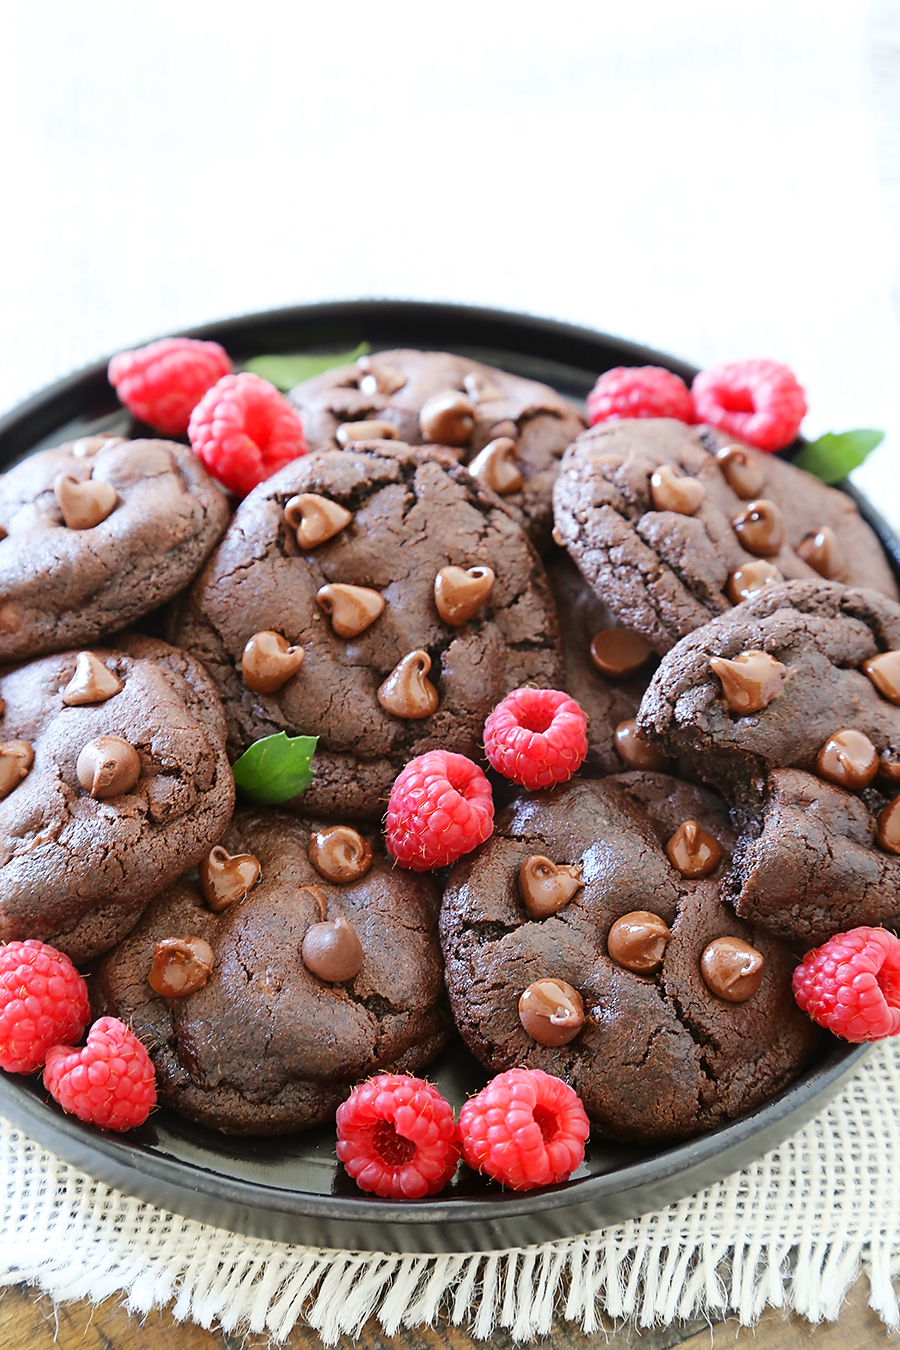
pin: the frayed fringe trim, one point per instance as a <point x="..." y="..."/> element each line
<point x="613" y="1275"/>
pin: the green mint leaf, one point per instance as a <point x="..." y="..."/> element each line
<point x="833" y="455"/>
<point x="275" y="769"/>
<point x="286" y="371"/>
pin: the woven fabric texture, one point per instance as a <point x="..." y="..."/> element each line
<point x="794" y="1231"/>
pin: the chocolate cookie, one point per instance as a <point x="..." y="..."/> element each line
<point x="113" y="779"/>
<point x="673" y="524"/>
<point x="421" y="397"/>
<point x="245" y="1037"/>
<point x="606" y="668"/>
<point x="574" y="945"/>
<point x="768" y="684"/>
<point x="416" y="599"/>
<point x="97" y="533"/>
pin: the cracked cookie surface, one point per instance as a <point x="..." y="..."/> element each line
<point x="76" y="871"/>
<point x="62" y="586"/>
<point x="394" y="386"/>
<point x="659" y="1056"/>
<point x="664" y="573"/>
<point x="265" y="1047"/>
<point x="414" y="512"/>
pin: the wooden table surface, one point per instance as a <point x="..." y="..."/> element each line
<point x="29" y="1319"/>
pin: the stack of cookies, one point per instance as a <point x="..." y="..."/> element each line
<point x="728" y="625"/>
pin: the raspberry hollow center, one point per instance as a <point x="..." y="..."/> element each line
<point x="536" y="719"/>
<point x="547" y="1122"/>
<point x="736" y="400"/>
<point x="390" y="1146"/>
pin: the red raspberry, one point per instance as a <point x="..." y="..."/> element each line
<point x="851" y="984"/>
<point x="396" y="1136"/>
<point x="244" y="431"/>
<point x="163" y="382"/>
<point x="536" y="737"/>
<point x="760" y="402"/>
<point x="43" y="1000"/>
<point x="525" y="1129"/>
<point x="440" y="807"/>
<point x="639" y="391"/>
<point x="110" y="1082"/>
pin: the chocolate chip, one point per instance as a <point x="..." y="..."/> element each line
<point x="751" y="578"/>
<point x="822" y="552"/>
<point x="884" y="672"/>
<point x="618" y="652"/>
<point x="108" y="766"/>
<point x="406" y="692"/>
<point x="88" y="446"/>
<point x="459" y="593"/>
<point x="760" y="527"/>
<point x="315" y="518"/>
<point x="16" y="759"/>
<point x="481" y="389"/>
<point x="671" y="492"/>
<point x="546" y="886"/>
<point x="352" y="609"/>
<point x="332" y="951"/>
<point x="551" y="1011"/>
<point x="180" y="966"/>
<point x="848" y="758"/>
<point x="378" y="378"/>
<point x="750" y="681"/>
<point x="448" y="418"/>
<point x="497" y="468"/>
<point x="732" y="969"/>
<point x="269" y="661"/>
<point x="226" y="878"/>
<point x="638" y="941"/>
<point x="636" y="752"/>
<point x="692" y="851"/>
<point x="348" y="433"/>
<point x="86" y="503"/>
<point x="743" y="476"/>
<point x="888" y="831"/>
<point x="339" y="854"/>
<point x="92" y="682"/>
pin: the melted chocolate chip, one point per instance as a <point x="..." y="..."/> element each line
<point x="448" y="418"/>
<point x="638" y="941"/>
<point x="88" y="446"/>
<point x="822" y="552"/>
<point x="546" y="886"/>
<point x="481" y="389"/>
<point x="848" y="758"/>
<point x="884" y="672"/>
<point x="226" y="878"/>
<point x="551" y="1011"/>
<point x="692" y="851"/>
<point x="315" y="519"/>
<point x="732" y="969"/>
<point x="459" y="593"/>
<point x="888" y="832"/>
<point x="760" y="527"/>
<point x="750" y="681"/>
<point x="269" y="661"/>
<point x="84" y="503"/>
<point x="406" y="692"/>
<point x="339" y="854"/>
<point x="743" y="476"/>
<point x="180" y="966"/>
<point x="108" y="766"/>
<point x="636" y="752"/>
<point x="332" y="951"/>
<point x="618" y="652"/>
<point x="91" y="683"/>
<point x="16" y="759"/>
<point x="378" y="378"/>
<point x="497" y="468"/>
<point x="352" y="609"/>
<point x="751" y="578"/>
<point x="671" y="492"/>
<point x="348" y="433"/>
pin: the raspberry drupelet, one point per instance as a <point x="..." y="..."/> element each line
<point x="536" y="737"/>
<point x="851" y="984"/>
<point x="244" y="430"/>
<point x="639" y="391"/>
<point x="396" y="1136"/>
<point x="525" y="1129"/>
<point x="440" y="808"/>
<point x="760" y="402"/>
<point x="162" y="383"/>
<point x="43" y="1000"/>
<point x="110" y="1082"/>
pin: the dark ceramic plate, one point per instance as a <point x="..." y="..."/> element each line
<point x="291" y="1188"/>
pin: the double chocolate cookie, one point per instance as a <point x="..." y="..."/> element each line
<point x="588" y="938"/>
<point x="97" y="533"/>
<point x="113" y="780"/>
<point x="380" y="599"/>
<point x="672" y="525"/>
<point x="267" y="989"/>
<point x="511" y="431"/>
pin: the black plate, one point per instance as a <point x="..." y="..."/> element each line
<point x="292" y="1189"/>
